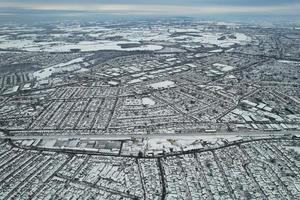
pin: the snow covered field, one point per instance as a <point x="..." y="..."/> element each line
<point x="71" y="65"/>
<point x="289" y="62"/>
<point x="148" y="101"/>
<point x="163" y="84"/>
<point x="185" y="142"/>
<point x="84" y="46"/>
<point x="95" y="38"/>
<point x="222" y="67"/>
<point x="297" y="149"/>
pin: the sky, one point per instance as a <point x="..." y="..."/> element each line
<point x="23" y="8"/>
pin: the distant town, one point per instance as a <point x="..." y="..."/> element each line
<point x="169" y="109"/>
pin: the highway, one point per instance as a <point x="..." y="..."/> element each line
<point x="154" y="136"/>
